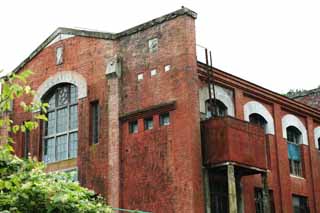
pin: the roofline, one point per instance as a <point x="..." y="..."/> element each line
<point x="284" y="100"/>
<point x="106" y="35"/>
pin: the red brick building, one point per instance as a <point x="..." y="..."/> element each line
<point x="309" y="97"/>
<point x="130" y="113"/>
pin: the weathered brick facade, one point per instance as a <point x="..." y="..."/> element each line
<point x="161" y="169"/>
<point x="311" y="98"/>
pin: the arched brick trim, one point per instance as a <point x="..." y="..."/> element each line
<point x="222" y="95"/>
<point x="291" y="120"/>
<point x="256" y="107"/>
<point x="63" y="77"/>
<point x="316" y="136"/>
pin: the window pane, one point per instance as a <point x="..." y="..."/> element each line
<point x="52" y="102"/>
<point x="50" y="125"/>
<point x="62" y="120"/>
<point x="73" y="145"/>
<point x="49" y="150"/>
<point x="62" y="147"/>
<point x="62" y="95"/>
<point x="73" y="94"/>
<point x="294" y="151"/>
<point x="73" y="117"/>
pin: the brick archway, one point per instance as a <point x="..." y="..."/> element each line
<point x="62" y="77"/>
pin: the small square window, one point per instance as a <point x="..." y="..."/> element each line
<point x="133" y="126"/>
<point x="140" y="77"/>
<point x="59" y="55"/>
<point x="153" y="45"/>
<point x="148" y="123"/>
<point x="167" y="68"/>
<point x="164" y="119"/>
<point x="153" y="72"/>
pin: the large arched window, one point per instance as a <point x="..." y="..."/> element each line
<point x="257" y="119"/>
<point x="60" y="132"/>
<point x="221" y="109"/>
<point x="294" y="138"/>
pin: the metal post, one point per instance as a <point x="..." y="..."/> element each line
<point x="214" y="104"/>
<point x="232" y="193"/>
<point x="209" y="82"/>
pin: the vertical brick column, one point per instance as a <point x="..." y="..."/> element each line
<point x="232" y="193"/>
<point x="113" y="140"/>
<point x="282" y="162"/>
<point x="313" y="166"/>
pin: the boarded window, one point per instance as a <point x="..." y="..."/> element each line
<point x="59" y="55"/>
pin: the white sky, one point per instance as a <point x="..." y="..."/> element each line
<point x="274" y="43"/>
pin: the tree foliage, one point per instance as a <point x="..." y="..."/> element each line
<point x="24" y="185"/>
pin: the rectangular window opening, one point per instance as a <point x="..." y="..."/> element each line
<point x="148" y="123"/>
<point x="133" y="127"/>
<point x="258" y="199"/>
<point x="164" y="119"/>
<point x="95" y="121"/>
<point x="300" y="204"/>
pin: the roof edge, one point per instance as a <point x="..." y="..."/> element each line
<point x="105" y="35"/>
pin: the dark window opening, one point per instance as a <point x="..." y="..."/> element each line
<point x="164" y="119"/>
<point x="294" y="154"/>
<point x="211" y="111"/>
<point x="148" y="123"/>
<point x="300" y="204"/>
<point x="95" y="121"/>
<point x="257" y="119"/>
<point x="133" y="126"/>
<point x="26" y="140"/>
<point x="319" y="144"/>
<point x="258" y="198"/>
<point x="60" y="137"/>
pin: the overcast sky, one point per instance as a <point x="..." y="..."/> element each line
<point x="274" y="43"/>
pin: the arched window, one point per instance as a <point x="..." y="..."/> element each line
<point x="257" y="119"/>
<point x="60" y="132"/>
<point x="221" y="109"/>
<point x="294" y="138"/>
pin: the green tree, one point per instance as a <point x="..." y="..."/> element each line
<point x="24" y="185"/>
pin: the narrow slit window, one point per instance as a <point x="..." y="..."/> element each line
<point x="26" y="138"/>
<point x="133" y="127"/>
<point x="165" y="119"/>
<point x="95" y="116"/>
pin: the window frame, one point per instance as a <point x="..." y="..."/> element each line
<point x="294" y="138"/>
<point x="46" y="136"/>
